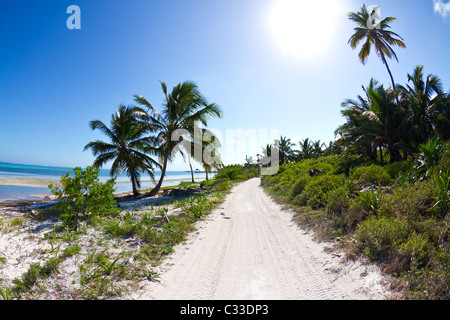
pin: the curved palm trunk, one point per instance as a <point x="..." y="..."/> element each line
<point x="155" y="190"/>
<point x="392" y="78"/>
<point x="192" y="170"/>
<point x="135" y="190"/>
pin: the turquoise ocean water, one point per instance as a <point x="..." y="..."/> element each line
<point x="15" y="193"/>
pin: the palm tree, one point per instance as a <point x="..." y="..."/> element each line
<point x="425" y="101"/>
<point x="306" y="149"/>
<point x="128" y="148"/>
<point x="182" y="108"/>
<point x="381" y="38"/>
<point x="389" y="123"/>
<point x="373" y="123"/>
<point x="285" y="150"/>
<point x="318" y="148"/>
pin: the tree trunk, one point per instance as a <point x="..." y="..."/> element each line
<point x="206" y="171"/>
<point x="155" y="190"/>
<point x="192" y="171"/>
<point x="135" y="190"/>
<point x="392" y="78"/>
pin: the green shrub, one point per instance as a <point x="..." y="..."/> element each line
<point x="409" y="201"/>
<point x="444" y="161"/>
<point x="373" y="175"/>
<point x="235" y="172"/>
<point x="316" y="191"/>
<point x="396" y="168"/>
<point x="338" y="200"/>
<point x="378" y="237"/>
<point x="300" y="185"/>
<point x="441" y="191"/>
<point x="429" y="156"/>
<point x="83" y="195"/>
<point x="223" y="185"/>
<point x="417" y="250"/>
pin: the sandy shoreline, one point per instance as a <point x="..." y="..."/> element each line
<point x="43" y="183"/>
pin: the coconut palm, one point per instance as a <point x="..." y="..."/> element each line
<point x="182" y="108"/>
<point x="129" y="146"/>
<point x="379" y="37"/>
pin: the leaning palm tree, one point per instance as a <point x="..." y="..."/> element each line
<point x="129" y="146"/>
<point x="181" y="110"/>
<point x="378" y="36"/>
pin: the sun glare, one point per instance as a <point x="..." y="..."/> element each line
<point x="304" y="27"/>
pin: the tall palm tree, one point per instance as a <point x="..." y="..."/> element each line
<point x="379" y="37"/>
<point x="129" y="146"/>
<point x="182" y="108"/>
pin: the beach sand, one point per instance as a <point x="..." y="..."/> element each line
<point x="27" y="182"/>
<point x="43" y="183"/>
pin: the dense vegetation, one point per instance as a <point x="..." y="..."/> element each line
<point x="397" y="214"/>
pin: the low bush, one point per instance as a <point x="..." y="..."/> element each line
<point x="83" y="195"/>
<point x="416" y="251"/>
<point x="372" y="175"/>
<point x="408" y="201"/>
<point x="378" y="237"/>
<point x="338" y="201"/>
<point x="300" y="185"/>
<point x="316" y="192"/>
<point x="396" y="168"/>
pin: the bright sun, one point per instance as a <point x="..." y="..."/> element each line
<point x="304" y="27"/>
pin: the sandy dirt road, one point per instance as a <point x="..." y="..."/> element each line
<point x="249" y="248"/>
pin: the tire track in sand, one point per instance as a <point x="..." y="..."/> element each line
<point x="250" y="249"/>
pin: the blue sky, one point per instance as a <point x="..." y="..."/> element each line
<point x="53" y="80"/>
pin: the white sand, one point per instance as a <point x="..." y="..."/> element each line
<point x="250" y="249"/>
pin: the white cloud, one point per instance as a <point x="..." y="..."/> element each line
<point x="441" y="7"/>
